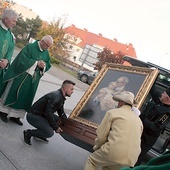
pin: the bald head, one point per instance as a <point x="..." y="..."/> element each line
<point x="48" y="38"/>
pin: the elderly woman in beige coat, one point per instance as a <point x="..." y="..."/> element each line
<point x="118" y="137"/>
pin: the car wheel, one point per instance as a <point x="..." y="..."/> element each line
<point x="84" y="78"/>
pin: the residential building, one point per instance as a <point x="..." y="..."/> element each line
<point x="24" y="11"/>
<point x="82" y="39"/>
<point x="84" y="45"/>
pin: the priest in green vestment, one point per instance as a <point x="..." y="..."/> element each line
<point x="9" y="18"/>
<point x="23" y="78"/>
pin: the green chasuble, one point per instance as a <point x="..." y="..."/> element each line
<point x="24" y="85"/>
<point x="158" y="163"/>
<point x="6" y="52"/>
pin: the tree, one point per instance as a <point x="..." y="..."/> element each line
<point x="3" y="5"/>
<point x="20" y="30"/>
<point x="56" y="30"/>
<point x="107" y="56"/>
<point x="33" y="27"/>
<point x="25" y="29"/>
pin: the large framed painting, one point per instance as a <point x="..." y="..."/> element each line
<point x="111" y="80"/>
<point x="80" y="127"/>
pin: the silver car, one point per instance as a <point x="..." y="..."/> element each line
<point x="87" y="76"/>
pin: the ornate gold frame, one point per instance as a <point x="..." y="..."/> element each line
<point x="150" y="76"/>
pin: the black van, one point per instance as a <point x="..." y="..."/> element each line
<point x="162" y="82"/>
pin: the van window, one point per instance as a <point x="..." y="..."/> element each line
<point x="164" y="79"/>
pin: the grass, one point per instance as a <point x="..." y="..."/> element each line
<point x="65" y="69"/>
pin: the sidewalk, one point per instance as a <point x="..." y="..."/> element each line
<point x="57" y="155"/>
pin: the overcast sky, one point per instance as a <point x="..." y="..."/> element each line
<point x="144" y="23"/>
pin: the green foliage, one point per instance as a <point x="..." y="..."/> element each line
<point x="33" y="26"/>
<point x="25" y="29"/>
<point x="56" y="30"/>
<point x="107" y="56"/>
<point x="20" y="45"/>
<point x="55" y="60"/>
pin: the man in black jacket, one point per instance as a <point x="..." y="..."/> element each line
<point x="155" y="118"/>
<point x="42" y="116"/>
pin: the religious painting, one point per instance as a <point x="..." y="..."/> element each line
<point x="111" y="80"/>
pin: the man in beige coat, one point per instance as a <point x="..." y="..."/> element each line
<point x="118" y="137"/>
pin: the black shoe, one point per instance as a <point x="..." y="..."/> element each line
<point x="27" y="138"/>
<point x="41" y="139"/>
<point x="4" y="117"/>
<point x="16" y="120"/>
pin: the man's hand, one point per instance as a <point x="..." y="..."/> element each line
<point x="41" y="64"/>
<point x="59" y="130"/>
<point x="3" y="63"/>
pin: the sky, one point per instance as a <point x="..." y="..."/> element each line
<point x="143" y="23"/>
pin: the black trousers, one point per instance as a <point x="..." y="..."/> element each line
<point x="147" y="141"/>
<point x="42" y="127"/>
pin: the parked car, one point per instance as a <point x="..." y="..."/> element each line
<point x="87" y="76"/>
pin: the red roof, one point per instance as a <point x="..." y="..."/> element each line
<point x="94" y="39"/>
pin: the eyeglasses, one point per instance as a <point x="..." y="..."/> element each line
<point x="45" y="44"/>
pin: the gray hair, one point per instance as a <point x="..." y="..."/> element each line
<point x="9" y="13"/>
<point x="48" y="38"/>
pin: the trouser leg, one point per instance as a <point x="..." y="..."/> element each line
<point x="99" y="159"/>
<point x="43" y="128"/>
<point x="144" y="150"/>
